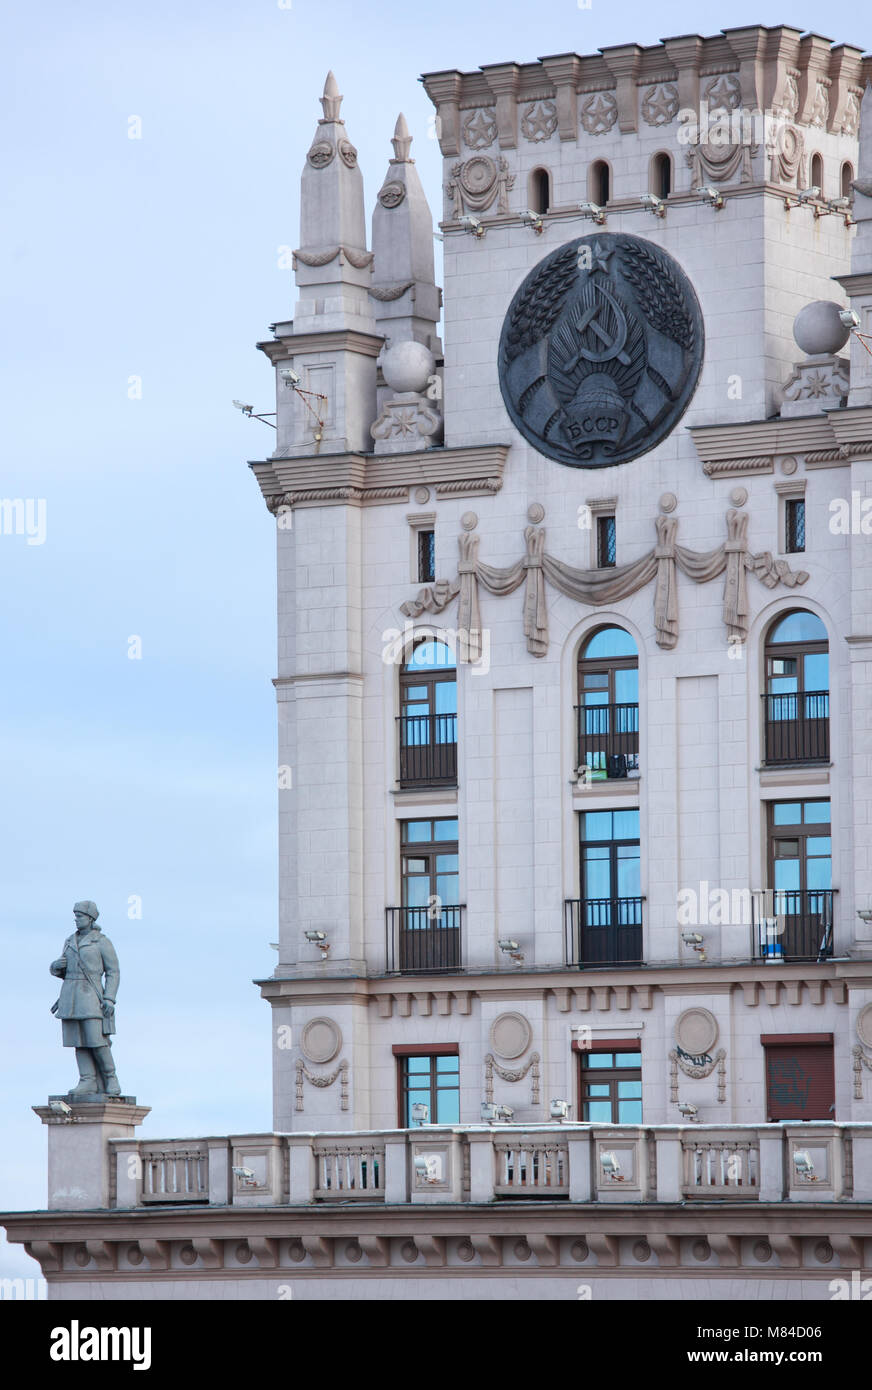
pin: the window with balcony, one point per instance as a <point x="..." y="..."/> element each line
<point x="795" y="914"/>
<point x="604" y="925"/>
<point x="608" y="706"/>
<point x="610" y="1086"/>
<point x="427" y="723"/>
<point x="796" y="705"/>
<point x="429" y="1077"/>
<point x="423" y="933"/>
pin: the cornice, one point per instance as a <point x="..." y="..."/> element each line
<point x="829" y="440"/>
<point x="338" y="340"/>
<point x="370" y="479"/>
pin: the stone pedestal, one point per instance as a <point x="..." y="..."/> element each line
<point x="79" y="1160"/>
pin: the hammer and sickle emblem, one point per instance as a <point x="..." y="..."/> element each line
<point x="590" y="329"/>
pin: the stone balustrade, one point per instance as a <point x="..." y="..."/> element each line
<point x="501" y="1163"/>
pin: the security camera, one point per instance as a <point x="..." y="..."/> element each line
<point x="488" y="1110"/>
<point x="289" y="376"/>
<point x="505" y="1112"/>
<point x="420" y="1166"/>
<point x="507" y="945"/>
<point x="803" y="1164"/>
<point x="691" y="938"/>
<point x="246" y="409"/>
<point x="245" y="1176"/>
<point x="850" y="320"/>
<point x="473" y="225"/>
<point x="420" y="1112"/>
<point x="689" y="1111"/>
<point x="653" y="204"/>
<point x="609" y="1164"/>
<point x="534" y="219"/>
<point x="805" y="195"/>
<point x="60" y="1107"/>
<point x="713" y="197"/>
<point x="593" y="211"/>
<point x="316" y="936"/>
<point x="559" y="1109"/>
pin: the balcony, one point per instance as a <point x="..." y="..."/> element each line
<point x="603" y="931"/>
<point x="796" y="728"/>
<point x="428" y="750"/>
<point x="423" y="940"/>
<point x="793" y="924"/>
<point x="608" y="740"/>
<point x="568" y="1162"/>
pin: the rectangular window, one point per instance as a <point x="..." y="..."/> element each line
<point x="429" y="918"/>
<point x="431" y="1079"/>
<point x="610" y="1087"/>
<point x="794" y="524"/>
<point x="800" y="1081"/>
<point x="800" y="902"/>
<point x="606" y="542"/>
<point x="426" y="557"/>
<point x="610" y="910"/>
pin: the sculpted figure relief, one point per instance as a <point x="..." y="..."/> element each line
<point x="88" y="967"/>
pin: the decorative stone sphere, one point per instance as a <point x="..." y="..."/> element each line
<point x="408" y="366"/>
<point x="817" y="328"/>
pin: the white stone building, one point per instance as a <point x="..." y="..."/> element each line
<point x="575" y="967"/>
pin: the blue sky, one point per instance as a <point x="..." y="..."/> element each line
<point x="158" y="258"/>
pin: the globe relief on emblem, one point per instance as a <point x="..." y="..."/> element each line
<point x="601" y="350"/>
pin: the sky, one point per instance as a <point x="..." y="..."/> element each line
<point x="137" y="619"/>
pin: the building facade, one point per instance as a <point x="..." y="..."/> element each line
<point x="574" y="983"/>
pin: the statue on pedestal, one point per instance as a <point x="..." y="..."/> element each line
<point x="86" y="1007"/>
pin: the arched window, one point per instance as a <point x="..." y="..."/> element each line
<point x="816" y="179"/>
<point x="797" y="698"/>
<point x="608" y="705"/>
<point x="845" y="181"/>
<point x="661" y="176"/>
<point x="540" y="190"/>
<point x="600" y="183"/>
<point x="428" y="716"/>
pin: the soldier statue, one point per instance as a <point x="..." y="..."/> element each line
<point x="86" y="1005"/>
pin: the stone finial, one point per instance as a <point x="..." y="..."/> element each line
<point x="331" y="101"/>
<point x="401" y="141"/>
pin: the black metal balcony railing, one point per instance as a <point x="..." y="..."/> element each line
<point x="423" y="939"/>
<point x="608" y="739"/>
<point x="428" y="749"/>
<point x="797" y="727"/>
<point x="793" y="924"/>
<point x="603" y="931"/>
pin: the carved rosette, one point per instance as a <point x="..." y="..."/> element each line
<point x="660" y="104"/>
<point x="787" y="161"/>
<point x="392" y="194"/>
<point x="410" y="421"/>
<point x="321" y="154"/>
<point x="599" y="113"/>
<point x="819" y="384"/>
<point x="347" y="153"/>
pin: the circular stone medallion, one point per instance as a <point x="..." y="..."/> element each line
<point x="864" y="1025"/>
<point x="510" y="1035"/>
<point x="478" y="175"/>
<point x="696" y="1031"/>
<point x="320" y="1040"/>
<point x="601" y="350"/>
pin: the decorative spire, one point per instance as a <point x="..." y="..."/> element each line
<point x="331" y="100"/>
<point x="402" y="142"/>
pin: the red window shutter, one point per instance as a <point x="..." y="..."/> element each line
<point x="800" y="1081"/>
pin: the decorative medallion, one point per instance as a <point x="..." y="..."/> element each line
<point x="347" y="153"/>
<point x="579" y="1250"/>
<point x="392" y="194"/>
<point x="422" y="495"/>
<point x="788" y="464"/>
<point x="244" y="1253"/>
<point x="478" y="175"/>
<point x="601" y="350"/>
<point x="320" y="1040"/>
<point x="296" y="1251"/>
<point x="660" y="104"/>
<point x="188" y="1255"/>
<point x="535" y="513"/>
<point x="696" y="1032"/>
<point x="134" y="1255"/>
<point x="641" y="1251"/>
<point x="480" y="129"/>
<point x="465" y="1251"/>
<point x="320" y="154"/>
<point x="701" y="1250"/>
<point x="723" y="93"/>
<point x="81" y="1256"/>
<point x="353" y="1251"/>
<point x="599" y="113"/>
<point x="823" y="1251"/>
<point x="739" y="496"/>
<point x="522" y="1250"/>
<point x="539" y="120"/>
<point x="788" y="156"/>
<point x="668" y="502"/>
<point x="762" y="1251"/>
<point x="510" y="1035"/>
<point x="469" y="521"/>
<point x="864" y="1025"/>
<point x="409" y="1251"/>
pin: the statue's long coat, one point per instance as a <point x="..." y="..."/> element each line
<point x="80" y="998"/>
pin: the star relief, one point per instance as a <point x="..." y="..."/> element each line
<point x="480" y="131"/>
<point x="600" y="254"/>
